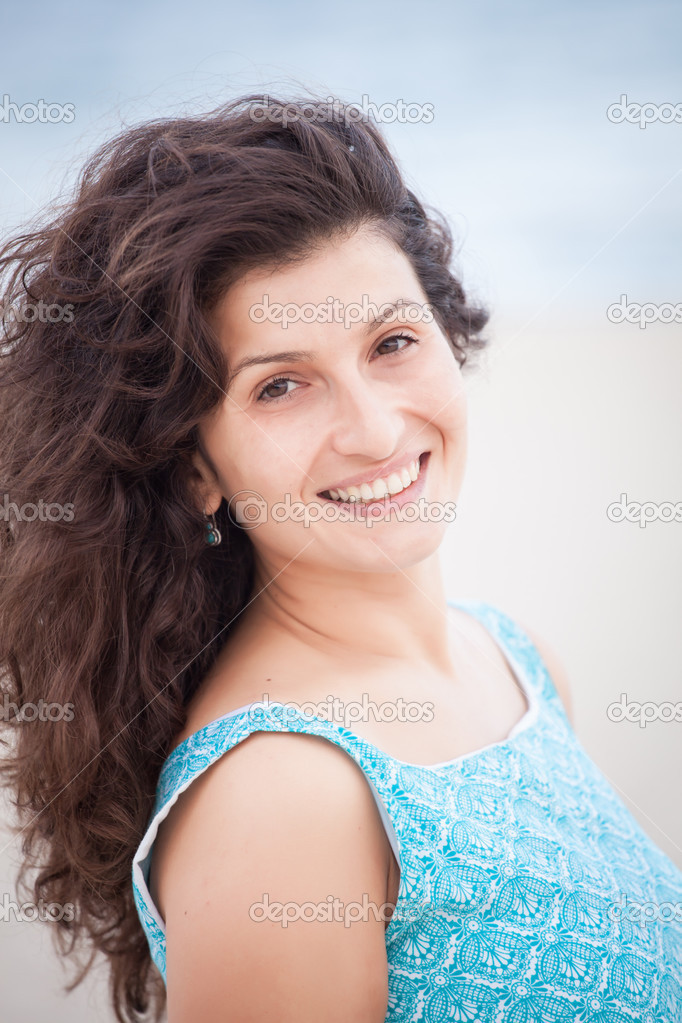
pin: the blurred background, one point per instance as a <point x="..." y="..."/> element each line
<point x="561" y="204"/>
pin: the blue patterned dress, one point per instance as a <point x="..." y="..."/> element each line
<point x="528" y="891"/>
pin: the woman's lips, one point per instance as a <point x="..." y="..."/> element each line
<point x="410" y="493"/>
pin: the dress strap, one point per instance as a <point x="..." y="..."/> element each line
<point x="523" y="656"/>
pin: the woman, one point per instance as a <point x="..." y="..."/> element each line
<point x="256" y="411"/>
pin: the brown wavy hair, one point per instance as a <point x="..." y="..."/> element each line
<point x="118" y="608"/>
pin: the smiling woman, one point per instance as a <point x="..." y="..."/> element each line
<point x="376" y="401"/>
<point x="256" y="409"/>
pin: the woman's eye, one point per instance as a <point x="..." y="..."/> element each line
<point x="273" y="383"/>
<point x="279" y="381"/>
<point x="398" y="337"/>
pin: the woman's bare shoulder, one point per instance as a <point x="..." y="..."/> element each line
<point x="280" y="818"/>
<point x="255" y="665"/>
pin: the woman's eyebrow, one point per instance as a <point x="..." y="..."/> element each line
<point x="297" y="355"/>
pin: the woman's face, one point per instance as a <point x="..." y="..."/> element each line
<point x="351" y="397"/>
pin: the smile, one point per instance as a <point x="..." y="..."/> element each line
<point x="380" y="488"/>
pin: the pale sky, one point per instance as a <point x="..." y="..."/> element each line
<point x="547" y="196"/>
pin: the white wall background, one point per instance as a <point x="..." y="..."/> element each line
<point x="558" y="211"/>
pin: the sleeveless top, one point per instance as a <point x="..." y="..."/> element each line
<point x="528" y="892"/>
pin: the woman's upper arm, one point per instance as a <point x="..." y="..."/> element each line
<point x="290" y="818"/>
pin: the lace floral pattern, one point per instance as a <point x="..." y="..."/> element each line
<point x="517" y="863"/>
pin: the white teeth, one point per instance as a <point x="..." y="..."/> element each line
<point x="395" y="484"/>
<point x="380" y="488"/>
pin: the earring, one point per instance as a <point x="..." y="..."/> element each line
<point x="213" y="536"/>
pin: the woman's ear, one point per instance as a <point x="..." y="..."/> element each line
<point x="205" y="484"/>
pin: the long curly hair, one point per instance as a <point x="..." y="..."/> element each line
<point x="112" y="606"/>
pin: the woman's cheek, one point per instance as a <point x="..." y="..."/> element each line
<point x="439" y="390"/>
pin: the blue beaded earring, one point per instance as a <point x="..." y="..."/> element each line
<point x="213" y="535"/>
